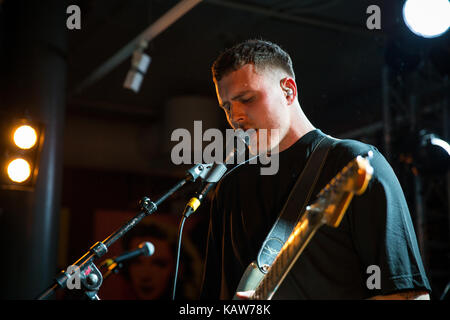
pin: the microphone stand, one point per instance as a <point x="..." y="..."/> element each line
<point x="90" y="278"/>
<point x="211" y="179"/>
<point x="217" y="171"/>
<point x="114" y="268"/>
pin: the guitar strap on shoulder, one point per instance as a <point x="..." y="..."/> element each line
<point x="295" y="205"/>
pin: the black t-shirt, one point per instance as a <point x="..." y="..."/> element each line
<point x="376" y="230"/>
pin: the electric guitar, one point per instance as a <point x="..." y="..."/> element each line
<point x="329" y="208"/>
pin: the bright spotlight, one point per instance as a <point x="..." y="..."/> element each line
<point x="25" y="137"/>
<point x="21" y="142"/>
<point x="427" y="18"/>
<point x="19" y="170"/>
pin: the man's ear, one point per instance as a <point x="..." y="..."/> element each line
<point x="289" y="88"/>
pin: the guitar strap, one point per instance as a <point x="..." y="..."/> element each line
<point x="295" y="205"/>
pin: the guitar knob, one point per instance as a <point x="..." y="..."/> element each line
<point x="265" y="267"/>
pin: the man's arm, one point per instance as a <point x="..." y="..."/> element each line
<point x="404" y="295"/>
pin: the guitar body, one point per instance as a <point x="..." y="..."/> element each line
<point x="329" y="208"/>
<point x="250" y="279"/>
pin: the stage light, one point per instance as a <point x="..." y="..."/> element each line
<point x="139" y="65"/>
<point x="21" y="142"/>
<point x="25" y="137"/>
<point x="19" y="170"/>
<point x="427" y="18"/>
<point x="135" y="75"/>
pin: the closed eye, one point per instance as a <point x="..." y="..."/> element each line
<point x="247" y="100"/>
<point x="226" y="105"/>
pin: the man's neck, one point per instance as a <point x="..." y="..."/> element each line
<point x="293" y="137"/>
<point x="299" y="127"/>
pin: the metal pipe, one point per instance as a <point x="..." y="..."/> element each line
<point x="418" y="192"/>
<point x="378" y="126"/>
<point x="147" y="35"/>
<point x="36" y="84"/>
<point x="321" y="23"/>
<point x="420" y="217"/>
<point x="386" y="113"/>
<point x="446" y="135"/>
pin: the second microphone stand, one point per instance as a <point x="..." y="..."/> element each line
<point x="90" y="278"/>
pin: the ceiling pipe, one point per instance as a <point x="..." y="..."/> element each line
<point x="321" y="23"/>
<point x="147" y="35"/>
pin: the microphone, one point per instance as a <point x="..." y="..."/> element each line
<point x="144" y="249"/>
<point x="216" y="173"/>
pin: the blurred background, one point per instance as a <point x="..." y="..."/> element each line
<point x="105" y="82"/>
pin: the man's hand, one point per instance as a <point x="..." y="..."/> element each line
<point x="245" y="295"/>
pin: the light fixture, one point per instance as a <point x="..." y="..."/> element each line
<point x="139" y="65"/>
<point x="19" y="170"/>
<point x="25" y="137"/>
<point x="427" y="18"/>
<point x="21" y="142"/>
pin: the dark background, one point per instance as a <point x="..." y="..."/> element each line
<point x="111" y="146"/>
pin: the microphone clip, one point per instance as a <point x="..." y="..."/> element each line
<point x="198" y="171"/>
<point x="208" y="172"/>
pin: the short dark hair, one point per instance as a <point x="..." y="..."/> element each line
<point x="261" y="53"/>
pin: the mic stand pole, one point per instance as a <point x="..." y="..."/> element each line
<point x="211" y="174"/>
<point x="84" y="271"/>
<point x="113" y="268"/>
<point x="214" y="176"/>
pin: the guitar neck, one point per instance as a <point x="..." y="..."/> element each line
<point x="305" y="229"/>
<point x="329" y="208"/>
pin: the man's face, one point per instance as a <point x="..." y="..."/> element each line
<point x="254" y="99"/>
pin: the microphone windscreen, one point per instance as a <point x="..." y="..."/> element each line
<point x="148" y="247"/>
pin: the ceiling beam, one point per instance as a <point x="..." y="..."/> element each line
<point x="321" y="23"/>
<point x="147" y="35"/>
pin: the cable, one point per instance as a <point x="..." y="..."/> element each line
<point x="180" y="231"/>
<point x="186" y="213"/>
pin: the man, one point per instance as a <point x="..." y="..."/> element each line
<point x="255" y="85"/>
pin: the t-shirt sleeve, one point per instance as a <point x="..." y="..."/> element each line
<point x="383" y="234"/>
